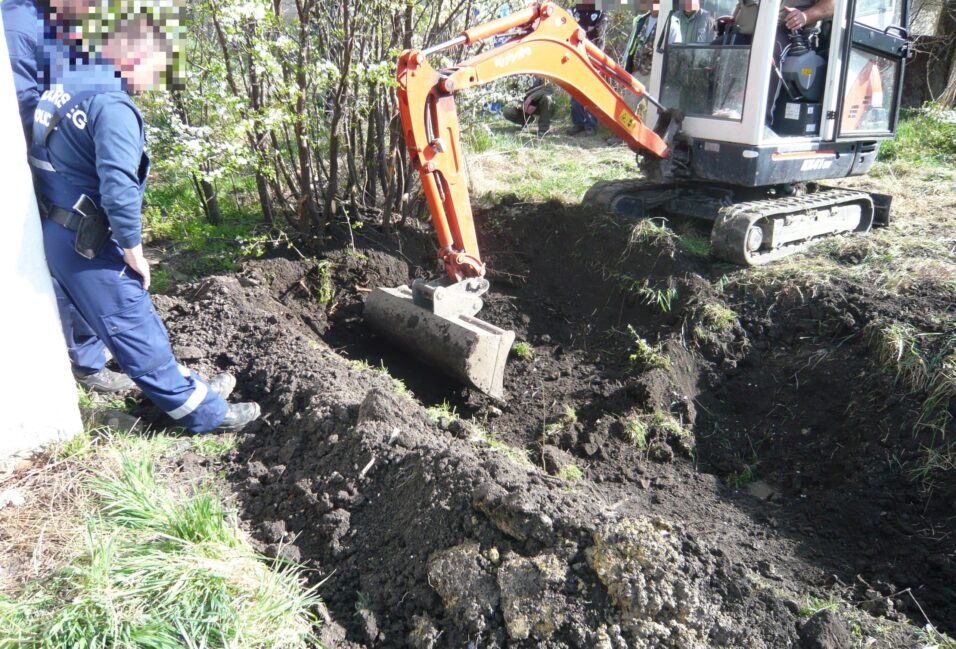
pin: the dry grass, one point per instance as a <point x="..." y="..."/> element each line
<point x="917" y="250"/>
<point x="556" y="167"/>
<point x="46" y="532"/>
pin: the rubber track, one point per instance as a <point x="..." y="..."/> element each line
<point x="731" y="228"/>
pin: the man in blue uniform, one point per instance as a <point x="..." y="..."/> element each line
<point x="90" y="169"/>
<point x="40" y="49"/>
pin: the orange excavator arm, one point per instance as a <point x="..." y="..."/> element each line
<point x="545" y="41"/>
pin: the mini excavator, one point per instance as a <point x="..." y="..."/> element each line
<point x="722" y="149"/>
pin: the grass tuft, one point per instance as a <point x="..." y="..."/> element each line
<point x="444" y="410"/>
<point x="161" y="569"/>
<point x="637" y="431"/>
<point x="812" y="605"/>
<point x="523" y="350"/>
<point x="214" y="446"/>
<point x="644" y="354"/>
<point x="570" y="473"/>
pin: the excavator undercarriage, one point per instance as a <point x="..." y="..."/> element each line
<point x="750" y="226"/>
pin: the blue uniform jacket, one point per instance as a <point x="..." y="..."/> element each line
<point x="100" y="149"/>
<point x="24" y="33"/>
<point x="37" y="56"/>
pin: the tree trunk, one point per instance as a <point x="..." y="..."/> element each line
<point x="946" y="28"/>
<point x="209" y="199"/>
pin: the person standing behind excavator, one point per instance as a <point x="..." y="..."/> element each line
<point x="90" y="165"/>
<point x="639" y="53"/>
<point x="594" y="23"/>
<point x="694" y="24"/>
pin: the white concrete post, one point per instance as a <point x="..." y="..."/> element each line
<point x="38" y="397"/>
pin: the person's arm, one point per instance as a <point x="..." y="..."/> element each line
<point x="798" y="18"/>
<point x="21" y="34"/>
<point x="117" y="132"/>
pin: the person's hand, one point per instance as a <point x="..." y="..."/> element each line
<point x="795" y="18"/>
<point x="135" y="259"/>
<point x="528" y="106"/>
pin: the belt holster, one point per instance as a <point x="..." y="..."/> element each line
<point x="93" y="230"/>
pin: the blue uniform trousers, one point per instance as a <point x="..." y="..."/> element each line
<point x="110" y="298"/>
<point x="82" y="344"/>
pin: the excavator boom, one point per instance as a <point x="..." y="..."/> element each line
<point x="436" y="320"/>
<point x="545" y="42"/>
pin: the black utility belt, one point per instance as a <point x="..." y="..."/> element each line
<point x="67" y="218"/>
<point x="87" y="220"/>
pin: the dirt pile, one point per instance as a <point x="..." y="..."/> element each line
<point x="606" y="502"/>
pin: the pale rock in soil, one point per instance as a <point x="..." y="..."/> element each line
<point x="469" y="592"/>
<point x="662" y="597"/>
<point x="529" y="601"/>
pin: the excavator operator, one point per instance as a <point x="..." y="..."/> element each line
<point x="795" y="15"/>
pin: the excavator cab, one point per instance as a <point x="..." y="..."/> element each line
<point x="837" y="89"/>
<point x="742" y="126"/>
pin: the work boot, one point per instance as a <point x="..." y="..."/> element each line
<point x="105" y="381"/>
<point x="223" y="384"/>
<point x="577" y="129"/>
<point x="239" y="416"/>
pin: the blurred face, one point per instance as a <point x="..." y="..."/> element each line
<point x="140" y="55"/>
<point x="643" y="6"/>
<point x="655" y="8"/>
<point x="72" y="9"/>
<point x="690" y="5"/>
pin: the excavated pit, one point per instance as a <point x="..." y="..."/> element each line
<point x="547" y="520"/>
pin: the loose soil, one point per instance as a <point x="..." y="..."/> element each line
<point x="745" y="484"/>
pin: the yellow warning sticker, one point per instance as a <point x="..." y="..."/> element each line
<point x="806" y="72"/>
<point x="627" y="120"/>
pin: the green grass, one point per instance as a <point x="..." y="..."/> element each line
<point x="644" y="354"/>
<point x="925" y="136"/>
<point x="492" y="441"/>
<point x="160" y="568"/>
<point x="936" y="411"/>
<point x="173" y="214"/>
<point x="444" y="410"/>
<point x="161" y="282"/>
<point x="398" y="385"/>
<point x="744" y="477"/>
<point x="899" y="352"/>
<point x="325" y="281"/>
<point x="716" y="317"/>
<point x="570" y="473"/>
<point x="933" y="639"/>
<point x="523" y="350"/>
<point x="696" y="244"/>
<point x="666" y="424"/>
<point x="648" y="233"/>
<point x="502" y="160"/>
<point x="637" y="432"/>
<point x="213" y="446"/>
<point x="661" y="296"/>
<point x="812" y="605"/>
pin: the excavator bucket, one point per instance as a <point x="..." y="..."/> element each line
<point x="437" y="324"/>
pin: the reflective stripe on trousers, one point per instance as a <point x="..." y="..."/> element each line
<point x="111" y="300"/>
